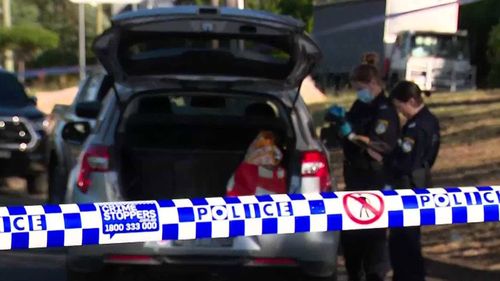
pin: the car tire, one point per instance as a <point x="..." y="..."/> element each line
<point x="57" y="184"/>
<point x="332" y="277"/>
<point x="328" y="272"/>
<point x="72" y="275"/>
<point x="37" y="184"/>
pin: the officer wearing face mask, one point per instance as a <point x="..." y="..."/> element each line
<point x="369" y="132"/>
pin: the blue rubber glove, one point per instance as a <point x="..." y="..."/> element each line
<point x="337" y="111"/>
<point x="345" y="129"/>
<point x="337" y="114"/>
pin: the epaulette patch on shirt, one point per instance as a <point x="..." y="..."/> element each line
<point x="407" y="144"/>
<point x="412" y="125"/>
<point x="381" y="126"/>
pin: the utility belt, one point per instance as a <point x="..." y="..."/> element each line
<point x="364" y="164"/>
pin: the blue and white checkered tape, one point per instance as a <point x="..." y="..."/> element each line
<point x="24" y="227"/>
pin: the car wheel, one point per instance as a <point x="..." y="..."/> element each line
<point x="327" y="272"/>
<point x="57" y="184"/>
<point x="72" y="275"/>
<point x="307" y="277"/>
<point x="37" y="184"/>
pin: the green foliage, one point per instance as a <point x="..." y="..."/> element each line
<point x="478" y="18"/>
<point x="61" y="17"/>
<point x="300" y="9"/>
<point x="494" y="56"/>
<point x="26" y="40"/>
<point x="55" y="57"/>
<point x="24" y="12"/>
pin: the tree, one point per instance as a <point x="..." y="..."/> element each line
<point x="494" y="57"/>
<point x="478" y="19"/>
<point x="27" y="41"/>
<point x="300" y="9"/>
<point x="61" y="16"/>
<point x="24" y="12"/>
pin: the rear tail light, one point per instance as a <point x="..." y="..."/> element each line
<point x="94" y="159"/>
<point x="273" y="262"/>
<point x="315" y="165"/>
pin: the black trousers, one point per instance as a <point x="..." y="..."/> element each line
<point x="365" y="254"/>
<point x="405" y="254"/>
<point x="365" y="251"/>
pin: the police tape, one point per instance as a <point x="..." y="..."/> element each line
<point x="23" y="227"/>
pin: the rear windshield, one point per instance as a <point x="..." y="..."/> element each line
<point x="205" y="105"/>
<point x="153" y="53"/>
<point x="11" y="91"/>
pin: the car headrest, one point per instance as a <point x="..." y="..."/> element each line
<point x="260" y="110"/>
<point x="208" y="102"/>
<point x="154" y="105"/>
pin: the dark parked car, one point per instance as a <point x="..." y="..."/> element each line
<point x="194" y="87"/>
<point x="64" y="154"/>
<point x="23" y="136"/>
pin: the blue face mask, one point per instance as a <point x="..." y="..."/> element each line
<point x="365" y="96"/>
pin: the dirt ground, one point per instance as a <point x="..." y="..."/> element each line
<point x="469" y="156"/>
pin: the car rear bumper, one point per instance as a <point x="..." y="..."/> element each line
<point x="286" y="250"/>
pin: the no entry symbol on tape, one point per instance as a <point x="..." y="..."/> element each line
<point x="363" y="207"/>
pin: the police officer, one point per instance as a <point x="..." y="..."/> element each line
<point x="413" y="160"/>
<point x="369" y="134"/>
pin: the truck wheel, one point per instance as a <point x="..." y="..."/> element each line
<point x="37" y="184"/>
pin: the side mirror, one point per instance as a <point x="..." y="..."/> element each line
<point x="76" y="132"/>
<point x="89" y="109"/>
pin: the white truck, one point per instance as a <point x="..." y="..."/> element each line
<point x="415" y="40"/>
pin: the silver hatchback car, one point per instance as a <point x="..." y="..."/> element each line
<point x="193" y="86"/>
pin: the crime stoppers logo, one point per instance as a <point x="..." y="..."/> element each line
<point x="128" y="218"/>
<point x="363" y="207"/>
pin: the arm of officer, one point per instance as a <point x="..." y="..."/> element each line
<point x="412" y="151"/>
<point x="383" y="135"/>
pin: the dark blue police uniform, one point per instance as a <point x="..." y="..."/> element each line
<point x="366" y="250"/>
<point x="416" y="153"/>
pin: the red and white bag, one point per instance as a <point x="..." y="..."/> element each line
<point x="260" y="172"/>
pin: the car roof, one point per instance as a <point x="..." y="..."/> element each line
<point x="207" y="11"/>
